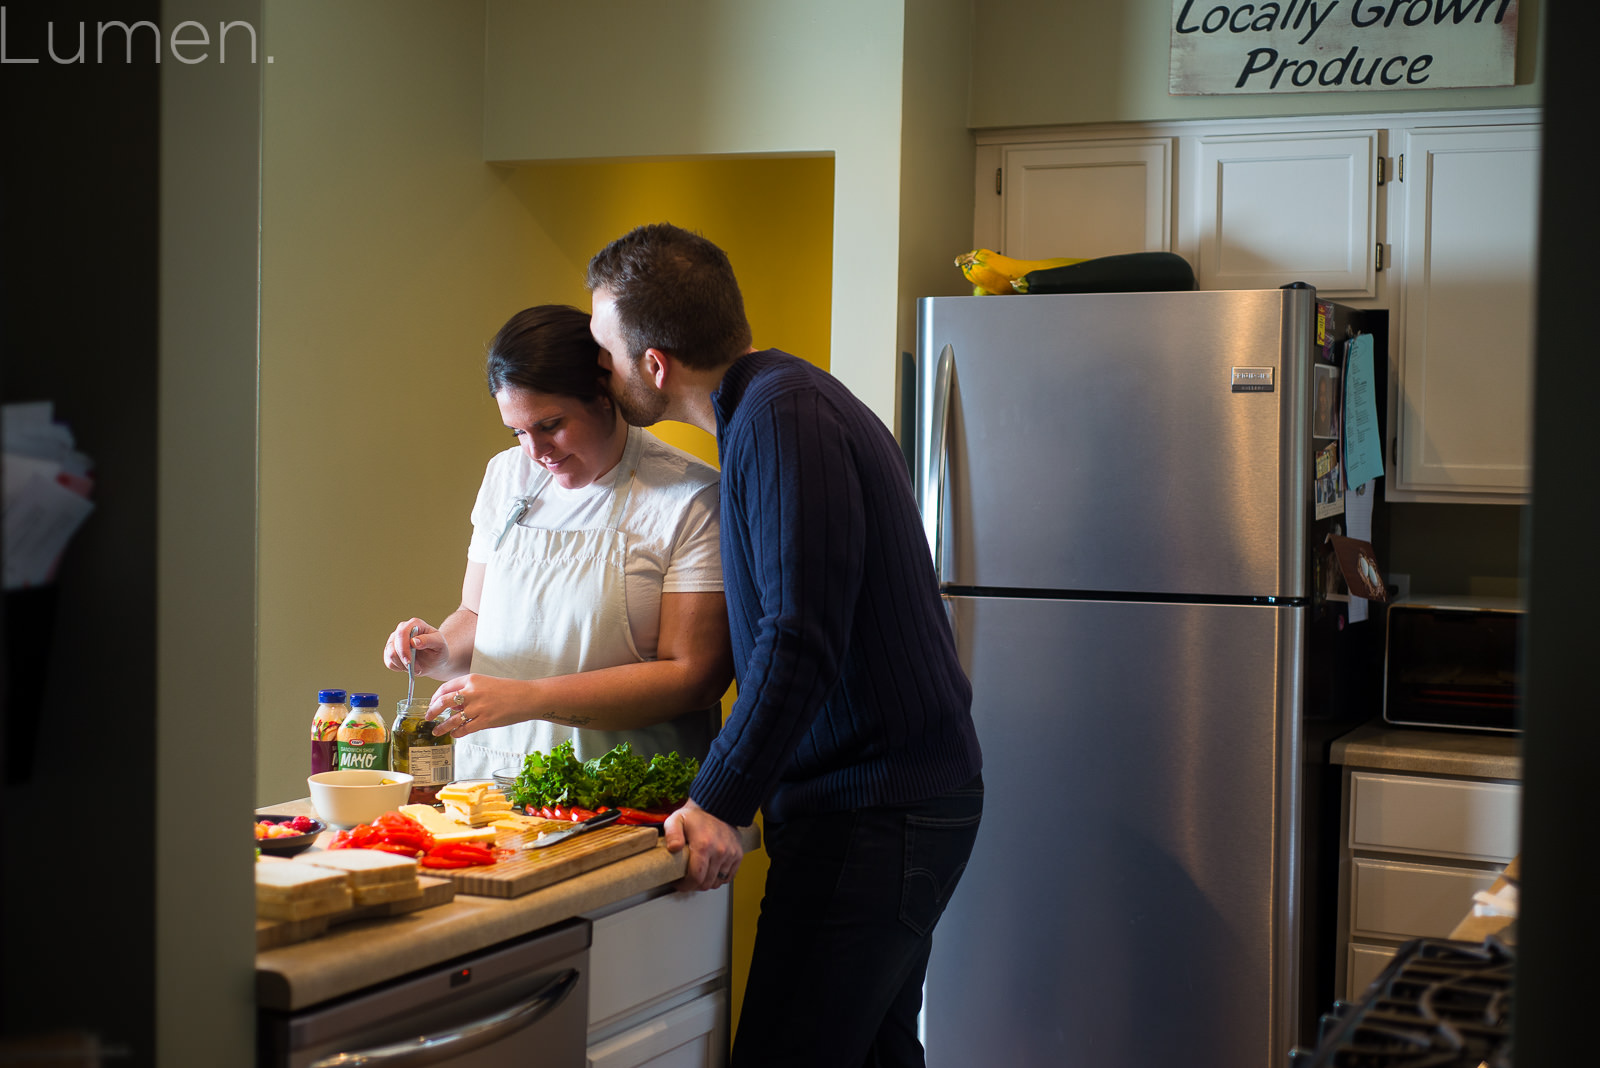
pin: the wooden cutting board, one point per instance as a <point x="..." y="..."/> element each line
<point x="273" y="933"/>
<point x="532" y="869"/>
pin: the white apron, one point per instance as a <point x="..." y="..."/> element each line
<point x="554" y="602"/>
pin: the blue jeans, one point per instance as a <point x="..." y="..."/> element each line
<point x="846" y="925"/>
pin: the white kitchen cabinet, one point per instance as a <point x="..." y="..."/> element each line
<point x="1446" y="243"/>
<point x="1082" y="199"/>
<point x="1415" y="849"/>
<point x="1274" y="208"/>
<point x="658" y="982"/>
<point x="693" y="1035"/>
<point x="1464" y="338"/>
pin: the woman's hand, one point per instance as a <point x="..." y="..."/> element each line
<point x="429" y="648"/>
<point x="470" y="703"/>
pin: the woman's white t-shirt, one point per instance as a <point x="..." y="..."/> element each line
<point x="670" y="523"/>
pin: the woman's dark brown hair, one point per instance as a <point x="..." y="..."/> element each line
<point x="547" y="348"/>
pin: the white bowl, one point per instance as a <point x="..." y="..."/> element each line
<point x="346" y="798"/>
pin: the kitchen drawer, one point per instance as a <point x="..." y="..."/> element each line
<point x="690" y="1036"/>
<point x="1436" y="817"/>
<point x="1395" y="900"/>
<point x="644" y="955"/>
<point x="1362" y="965"/>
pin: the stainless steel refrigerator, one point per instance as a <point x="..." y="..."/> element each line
<point x="1119" y="492"/>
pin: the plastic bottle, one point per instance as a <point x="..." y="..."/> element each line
<point x="363" y="739"/>
<point x="331" y="711"/>
<point x="430" y="760"/>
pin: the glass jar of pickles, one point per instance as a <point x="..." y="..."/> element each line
<point x="429" y="759"/>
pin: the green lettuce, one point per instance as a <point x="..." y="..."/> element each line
<point x="618" y="779"/>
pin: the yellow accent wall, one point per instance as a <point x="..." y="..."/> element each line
<point x="640" y="78"/>
<point x="774" y="218"/>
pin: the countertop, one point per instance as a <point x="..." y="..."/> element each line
<point x="1480" y="756"/>
<point x="356" y="955"/>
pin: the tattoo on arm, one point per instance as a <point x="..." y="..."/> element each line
<point x="572" y="720"/>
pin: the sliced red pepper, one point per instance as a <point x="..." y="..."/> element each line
<point x="638" y="816"/>
<point x="578" y="815"/>
<point x="480" y="856"/>
<point x="396" y="848"/>
<point x="431" y="861"/>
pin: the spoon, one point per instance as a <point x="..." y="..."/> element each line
<point x="411" y="670"/>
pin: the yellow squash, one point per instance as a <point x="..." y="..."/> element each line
<point x="992" y="273"/>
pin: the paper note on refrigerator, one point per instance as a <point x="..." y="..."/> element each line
<point x="1363" y="446"/>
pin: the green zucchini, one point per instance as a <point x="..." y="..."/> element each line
<point x="1134" y="272"/>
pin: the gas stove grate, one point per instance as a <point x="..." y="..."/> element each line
<point x="1437" y="1005"/>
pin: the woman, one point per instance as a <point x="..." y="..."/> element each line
<point x="592" y="605"/>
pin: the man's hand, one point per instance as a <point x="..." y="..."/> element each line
<point x="714" y="847"/>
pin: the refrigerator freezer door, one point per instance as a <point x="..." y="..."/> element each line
<point x="1121" y="442"/>
<point x="1143" y="913"/>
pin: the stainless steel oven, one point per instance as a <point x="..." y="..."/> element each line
<point x="523" y="1002"/>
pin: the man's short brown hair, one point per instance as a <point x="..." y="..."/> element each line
<point x="674" y="291"/>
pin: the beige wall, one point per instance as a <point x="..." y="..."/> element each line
<point x="205" y="772"/>
<point x="390" y="254"/>
<point x="936" y="159"/>
<point x="1049" y="62"/>
<point x="640" y="78"/>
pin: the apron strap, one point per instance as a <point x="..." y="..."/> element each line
<point x="627" y="467"/>
<point x="520" y="506"/>
<point x="621" y="487"/>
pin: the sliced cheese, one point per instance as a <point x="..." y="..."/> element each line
<point x="466" y="834"/>
<point x="471" y="793"/>
<point x="444" y="829"/>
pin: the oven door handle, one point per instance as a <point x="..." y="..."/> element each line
<point x="437" y="1049"/>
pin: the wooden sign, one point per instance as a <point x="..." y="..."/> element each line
<point x="1332" y="46"/>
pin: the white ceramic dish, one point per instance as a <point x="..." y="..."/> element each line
<point x="346" y="798"/>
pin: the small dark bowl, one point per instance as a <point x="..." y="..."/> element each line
<point x="287" y="847"/>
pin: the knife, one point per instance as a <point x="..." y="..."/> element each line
<point x="604" y="819"/>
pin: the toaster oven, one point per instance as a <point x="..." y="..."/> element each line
<point x="1454" y="662"/>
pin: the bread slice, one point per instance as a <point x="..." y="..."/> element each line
<point x="378" y="895"/>
<point x="305" y="908"/>
<point x="364" y="867"/>
<point x="300" y="891"/>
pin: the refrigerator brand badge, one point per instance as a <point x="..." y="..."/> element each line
<point x="1252" y="379"/>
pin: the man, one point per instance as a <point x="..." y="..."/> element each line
<point x="852" y="729"/>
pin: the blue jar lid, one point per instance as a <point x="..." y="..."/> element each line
<point x="330" y="697"/>
<point x="364" y="700"/>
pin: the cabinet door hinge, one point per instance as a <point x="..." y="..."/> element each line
<point x="1400" y="167"/>
<point x="1381" y="162"/>
<point x="997" y="181"/>
<point x="1378" y="266"/>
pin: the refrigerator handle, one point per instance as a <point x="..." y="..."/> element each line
<point x="933" y="476"/>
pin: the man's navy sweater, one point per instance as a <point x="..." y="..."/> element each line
<point x="850" y="692"/>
